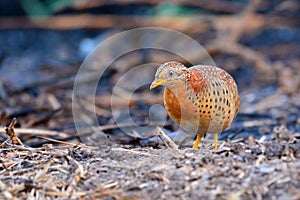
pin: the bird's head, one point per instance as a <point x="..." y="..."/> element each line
<point x="169" y="74"/>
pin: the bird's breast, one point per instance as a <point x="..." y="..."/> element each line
<point x="210" y="110"/>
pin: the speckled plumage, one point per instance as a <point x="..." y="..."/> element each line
<point x="201" y="99"/>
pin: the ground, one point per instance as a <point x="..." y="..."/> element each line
<point x="250" y="169"/>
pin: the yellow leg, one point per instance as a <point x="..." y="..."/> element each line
<point x="216" y="141"/>
<point x="197" y="142"/>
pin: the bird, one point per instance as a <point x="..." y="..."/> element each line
<point x="202" y="99"/>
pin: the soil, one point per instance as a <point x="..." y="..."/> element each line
<point x="248" y="169"/>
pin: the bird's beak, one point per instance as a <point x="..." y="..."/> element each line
<point x="157" y="82"/>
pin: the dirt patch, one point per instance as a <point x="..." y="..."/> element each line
<point x="248" y="169"/>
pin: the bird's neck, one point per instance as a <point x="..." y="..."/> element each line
<point x="177" y="87"/>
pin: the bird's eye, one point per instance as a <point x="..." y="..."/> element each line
<point x="171" y="73"/>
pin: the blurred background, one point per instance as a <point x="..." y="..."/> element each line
<point x="44" y="42"/>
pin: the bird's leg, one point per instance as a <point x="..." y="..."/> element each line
<point x="216" y="141"/>
<point x="197" y="142"/>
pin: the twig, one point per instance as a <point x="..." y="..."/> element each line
<point x="87" y="131"/>
<point x="172" y="144"/>
<point x="64" y="194"/>
<point x="22" y="148"/>
<point x="272" y="181"/>
<point x="192" y="23"/>
<point x="40" y="174"/>
<point x="253" y="123"/>
<point x="29" y="131"/>
<point x="79" y="174"/>
<point x="53" y="101"/>
<point x="11" y="133"/>
<point x="244" y="19"/>
<point x="65" y="22"/>
<point x="42" y="119"/>
<point x="238" y="140"/>
<point x="58" y="141"/>
<point x="213" y="5"/>
<point x="128" y="125"/>
<point x="132" y="151"/>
